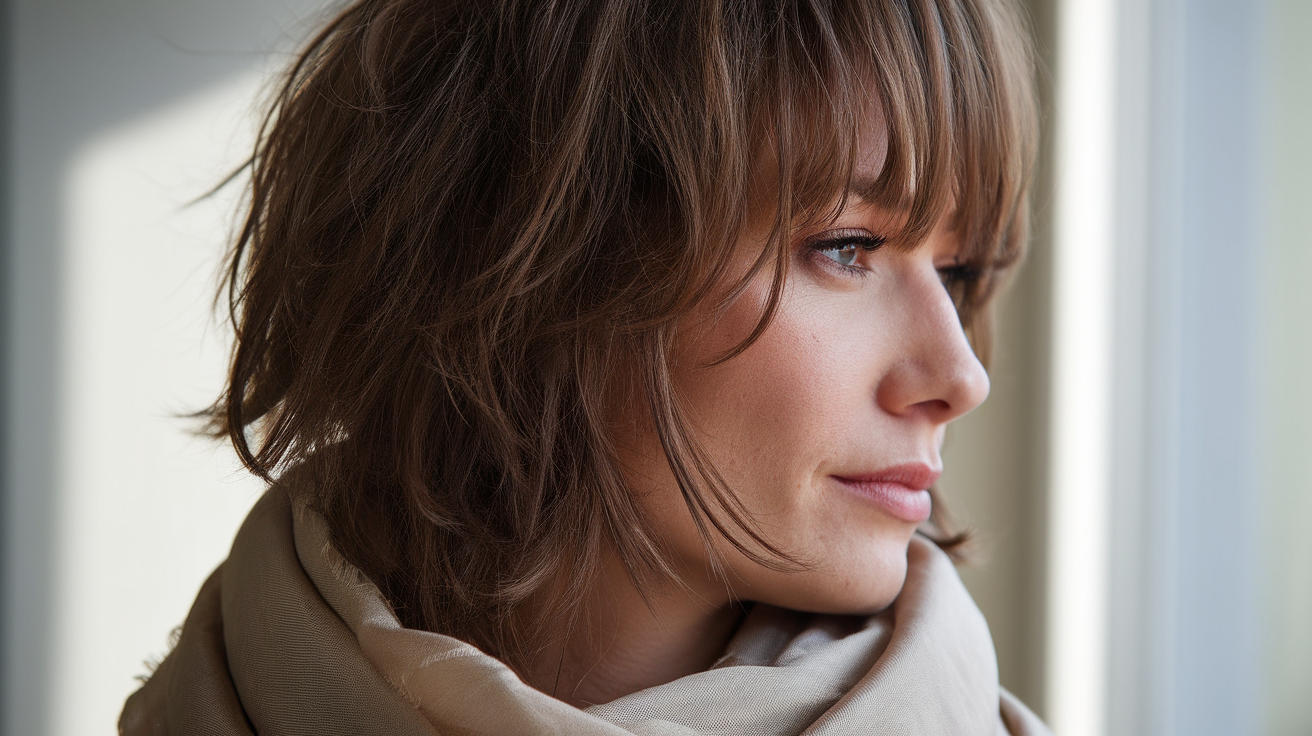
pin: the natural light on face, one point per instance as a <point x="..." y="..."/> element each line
<point x="829" y="426"/>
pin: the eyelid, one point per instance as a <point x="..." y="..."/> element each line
<point x="843" y="241"/>
<point x="831" y="239"/>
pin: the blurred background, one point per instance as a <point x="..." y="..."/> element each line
<point x="1140" y="480"/>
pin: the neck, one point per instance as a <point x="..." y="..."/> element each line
<point x="625" y="643"/>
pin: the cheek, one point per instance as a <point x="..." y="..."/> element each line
<point x="767" y="419"/>
<point x="772" y="415"/>
<point x="773" y="420"/>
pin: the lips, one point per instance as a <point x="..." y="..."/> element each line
<point x="900" y="490"/>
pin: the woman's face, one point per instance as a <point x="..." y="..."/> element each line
<point x="829" y="426"/>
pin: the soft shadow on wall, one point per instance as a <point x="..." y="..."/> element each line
<point x="108" y="291"/>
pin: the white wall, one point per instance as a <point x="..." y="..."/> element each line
<point x="144" y="508"/>
<point x="1211" y="569"/>
<point x="1287" y="369"/>
<point x="122" y="113"/>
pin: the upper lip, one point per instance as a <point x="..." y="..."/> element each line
<point x="916" y="476"/>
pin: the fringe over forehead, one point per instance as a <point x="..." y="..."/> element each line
<point x="951" y="81"/>
<point x="670" y="111"/>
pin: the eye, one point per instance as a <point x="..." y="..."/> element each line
<point x="843" y="255"/>
<point x="844" y="248"/>
<point x="957" y="275"/>
<point x="959" y="280"/>
<point x="950" y="275"/>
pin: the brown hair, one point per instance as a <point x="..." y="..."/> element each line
<point x="466" y="216"/>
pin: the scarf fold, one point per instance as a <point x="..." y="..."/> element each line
<point x="286" y="637"/>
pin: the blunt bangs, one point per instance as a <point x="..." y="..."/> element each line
<point x="951" y="83"/>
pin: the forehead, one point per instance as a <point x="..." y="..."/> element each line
<point x="871" y="150"/>
<point x="866" y="183"/>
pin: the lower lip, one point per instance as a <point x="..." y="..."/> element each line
<point x="901" y="502"/>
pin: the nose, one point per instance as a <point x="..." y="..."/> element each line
<point x="937" y="375"/>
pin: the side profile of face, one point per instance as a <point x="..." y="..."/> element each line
<point x="829" y="426"/>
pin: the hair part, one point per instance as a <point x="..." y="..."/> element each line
<point x="466" y="217"/>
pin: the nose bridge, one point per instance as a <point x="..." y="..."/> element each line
<point x="938" y="372"/>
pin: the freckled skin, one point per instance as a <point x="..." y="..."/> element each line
<point x="859" y="371"/>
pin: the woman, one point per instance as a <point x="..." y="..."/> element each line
<point x="599" y="354"/>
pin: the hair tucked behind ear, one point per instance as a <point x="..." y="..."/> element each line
<point x="467" y="217"/>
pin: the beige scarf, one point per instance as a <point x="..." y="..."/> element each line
<point x="287" y="638"/>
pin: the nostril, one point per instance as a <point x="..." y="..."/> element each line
<point x="935" y="408"/>
<point x="940" y="396"/>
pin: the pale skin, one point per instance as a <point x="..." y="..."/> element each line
<point x="861" y="370"/>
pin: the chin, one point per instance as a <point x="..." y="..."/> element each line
<point x="861" y="584"/>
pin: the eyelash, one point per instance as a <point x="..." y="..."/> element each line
<point x="867" y="243"/>
<point x="958" y="275"/>
<point x="953" y="276"/>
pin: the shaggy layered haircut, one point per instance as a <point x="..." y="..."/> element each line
<point x="467" y="216"/>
